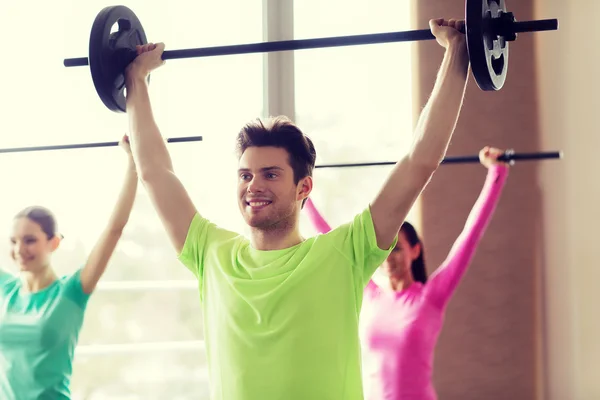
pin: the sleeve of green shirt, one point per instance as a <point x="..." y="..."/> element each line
<point x="202" y="234"/>
<point x="356" y="240"/>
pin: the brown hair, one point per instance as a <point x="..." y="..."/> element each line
<point x="418" y="268"/>
<point x="41" y="216"/>
<point x="283" y="133"/>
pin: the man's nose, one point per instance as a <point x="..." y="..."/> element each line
<point x="256" y="185"/>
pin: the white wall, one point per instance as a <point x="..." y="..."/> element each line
<point x="568" y="72"/>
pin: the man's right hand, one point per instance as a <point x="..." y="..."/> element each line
<point x="148" y="59"/>
<point x="448" y="33"/>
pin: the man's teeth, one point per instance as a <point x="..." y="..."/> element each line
<point x="259" y="203"/>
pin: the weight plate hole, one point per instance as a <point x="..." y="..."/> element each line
<point x="498" y="64"/>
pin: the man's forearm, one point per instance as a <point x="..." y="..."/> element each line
<point x="148" y="147"/>
<point x="440" y="115"/>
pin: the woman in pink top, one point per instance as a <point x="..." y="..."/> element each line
<point x="401" y="319"/>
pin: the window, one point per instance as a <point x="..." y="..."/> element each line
<point x="142" y="336"/>
<point x="354" y="102"/>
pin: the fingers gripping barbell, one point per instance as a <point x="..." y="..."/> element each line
<point x="489" y="28"/>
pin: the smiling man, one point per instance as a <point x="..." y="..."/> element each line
<point x="275" y="178"/>
<point x="281" y="311"/>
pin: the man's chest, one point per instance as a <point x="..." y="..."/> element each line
<point x="300" y="299"/>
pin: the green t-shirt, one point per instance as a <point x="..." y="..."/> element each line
<point x="283" y="324"/>
<point x="38" y="336"/>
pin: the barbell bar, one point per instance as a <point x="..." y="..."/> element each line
<point x="318" y="43"/>
<point x="508" y="156"/>
<point x="488" y="29"/>
<point x="89" y="145"/>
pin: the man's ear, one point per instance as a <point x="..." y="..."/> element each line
<point x="304" y="188"/>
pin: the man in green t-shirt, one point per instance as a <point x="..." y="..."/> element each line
<point x="280" y="311"/>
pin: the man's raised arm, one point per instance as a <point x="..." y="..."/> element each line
<point x="432" y="135"/>
<point x="149" y="149"/>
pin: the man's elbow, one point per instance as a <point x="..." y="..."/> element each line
<point x="152" y="172"/>
<point x="423" y="169"/>
<point x="151" y="162"/>
<point x="146" y="174"/>
<point x="115" y="232"/>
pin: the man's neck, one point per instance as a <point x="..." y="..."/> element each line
<point x="36" y="281"/>
<point x="275" y="239"/>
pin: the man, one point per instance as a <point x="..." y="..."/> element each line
<point x="281" y="312"/>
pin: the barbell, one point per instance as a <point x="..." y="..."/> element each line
<point x="508" y="156"/>
<point x="88" y="145"/>
<point x="489" y="28"/>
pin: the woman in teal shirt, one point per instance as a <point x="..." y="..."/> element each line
<point x="41" y="314"/>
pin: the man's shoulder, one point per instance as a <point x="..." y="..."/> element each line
<point x="202" y="229"/>
<point x="356" y="223"/>
<point x="226" y="240"/>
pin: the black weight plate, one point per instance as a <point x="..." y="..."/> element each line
<point x="488" y="52"/>
<point x="111" y="52"/>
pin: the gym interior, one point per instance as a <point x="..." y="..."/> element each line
<point x="523" y="323"/>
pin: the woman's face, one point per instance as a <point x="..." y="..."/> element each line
<point x="397" y="265"/>
<point x="30" y="247"/>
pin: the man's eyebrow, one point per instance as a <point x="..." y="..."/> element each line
<point x="264" y="169"/>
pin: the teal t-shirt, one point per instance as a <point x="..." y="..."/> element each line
<point x="38" y="336"/>
<point x="283" y="324"/>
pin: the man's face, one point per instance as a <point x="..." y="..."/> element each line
<point x="268" y="196"/>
